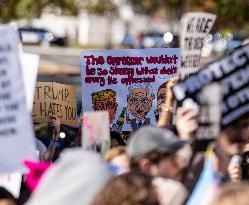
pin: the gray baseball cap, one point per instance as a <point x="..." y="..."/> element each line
<point x="148" y="139"/>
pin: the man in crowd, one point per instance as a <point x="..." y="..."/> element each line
<point x="154" y="151"/>
<point x="139" y="103"/>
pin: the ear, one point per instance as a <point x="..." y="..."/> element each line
<point x="145" y="165"/>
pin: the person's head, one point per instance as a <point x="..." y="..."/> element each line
<point x="233" y="194"/>
<point x="140" y="100"/>
<point x="132" y="188"/>
<point x="105" y="100"/>
<point x="161" y="95"/>
<point x="154" y="152"/>
<point x="234" y="137"/>
<point x="74" y="179"/>
<point x="118" y="157"/>
<point x="6" y="198"/>
<point x="125" y="135"/>
<point x="116" y="139"/>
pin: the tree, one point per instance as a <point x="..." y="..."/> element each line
<point x="100" y="7"/>
<point x="16" y="9"/>
<point x="103" y="7"/>
<point x="230" y="13"/>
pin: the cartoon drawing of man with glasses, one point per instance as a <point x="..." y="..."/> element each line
<point x="139" y="102"/>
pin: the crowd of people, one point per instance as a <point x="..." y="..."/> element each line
<point x="153" y="165"/>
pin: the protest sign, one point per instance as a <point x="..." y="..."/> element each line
<point x="12" y="182"/>
<point x="96" y="133"/>
<point x="232" y="72"/>
<point x="16" y="129"/>
<point x="55" y="99"/>
<point x="30" y="63"/>
<point x="196" y="26"/>
<point x="130" y="84"/>
<point x="209" y="118"/>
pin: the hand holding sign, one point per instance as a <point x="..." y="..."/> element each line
<point x="186" y="122"/>
<point x="55" y="123"/>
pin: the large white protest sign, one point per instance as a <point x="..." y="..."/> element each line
<point x="130" y="84"/>
<point x="16" y="131"/>
<point x="232" y="72"/>
<point x="96" y="133"/>
<point x="12" y="182"/>
<point x="30" y="63"/>
<point x="196" y="26"/>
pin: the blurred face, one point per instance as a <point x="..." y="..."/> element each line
<point x="109" y="105"/>
<point x="121" y="160"/>
<point x="235" y="138"/>
<point x="170" y="167"/>
<point x="7" y="202"/>
<point x="139" y="103"/>
<point x="161" y="97"/>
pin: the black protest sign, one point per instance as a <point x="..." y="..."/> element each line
<point x="232" y="72"/>
<point x="196" y="26"/>
<point x="55" y="99"/>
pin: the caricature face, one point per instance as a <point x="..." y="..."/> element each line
<point x="161" y="97"/>
<point x="139" y="102"/>
<point x="109" y="105"/>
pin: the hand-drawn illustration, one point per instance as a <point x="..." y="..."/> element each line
<point x="139" y="103"/>
<point x="161" y="95"/>
<point x="106" y="100"/>
<point x="120" y="120"/>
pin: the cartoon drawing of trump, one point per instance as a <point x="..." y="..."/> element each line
<point x="106" y="100"/>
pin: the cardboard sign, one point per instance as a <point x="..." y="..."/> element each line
<point x="130" y="84"/>
<point x="55" y="99"/>
<point x="12" y="182"/>
<point x="232" y="72"/>
<point x="196" y="26"/>
<point x="30" y="63"/>
<point x="16" y="129"/>
<point x="96" y="132"/>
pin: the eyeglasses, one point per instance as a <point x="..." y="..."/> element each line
<point x="137" y="101"/>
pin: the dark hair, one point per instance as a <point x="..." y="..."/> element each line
<point x="5" y="194"/>
<point x="162" y="86"/>
<point x="117" y="136"/>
